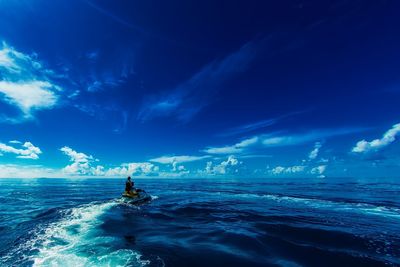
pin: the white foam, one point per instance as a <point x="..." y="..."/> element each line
<point x="75" y="241"/>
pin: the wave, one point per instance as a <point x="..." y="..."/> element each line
<point x="316" y="203"/>
<point x="76" y="240"/>
<point x="334" y="205"/>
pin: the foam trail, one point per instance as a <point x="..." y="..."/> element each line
<point x="76" y="241"/>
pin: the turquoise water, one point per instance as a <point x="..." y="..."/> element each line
<point x="225" y="222"/>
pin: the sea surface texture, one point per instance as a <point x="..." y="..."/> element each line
<point x="225" y="222"/>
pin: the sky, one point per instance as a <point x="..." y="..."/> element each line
<point x="196" y="89"/>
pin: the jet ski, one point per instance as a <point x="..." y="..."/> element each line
<point x="140" y="197"/>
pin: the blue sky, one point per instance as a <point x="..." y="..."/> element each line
<point x="199" y="89"/>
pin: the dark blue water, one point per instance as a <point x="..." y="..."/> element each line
<point x="271" y="222"/>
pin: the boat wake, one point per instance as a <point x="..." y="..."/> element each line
<point x="77" y="240"/>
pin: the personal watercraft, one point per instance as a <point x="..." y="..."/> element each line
<point x="139" y="197"/>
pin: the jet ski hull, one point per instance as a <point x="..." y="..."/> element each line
<point x="141" y="197"/>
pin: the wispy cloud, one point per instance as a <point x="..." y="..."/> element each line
<point x="102" y="72"/>
<point x="7" y="56"/>
<point x="115" y="18"/>
<point x="254" y="156"/>
<point x="259" y="124"/>
<point x="388" y="137"/>
<point x="233" y="149"/>
<point x="92" y="55"/>
<point x="25" y="83"/>
<point x="178" y="159"/>
<point x="26" y="150"/>
<point x="314" y="153"/>
<point x="188" y="98"/>
<point x="306" y="137"/>
<point x="128" y="23"/>
<point x="278" y="140"/>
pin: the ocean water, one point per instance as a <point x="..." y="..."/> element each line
<point x="202" y="222"/>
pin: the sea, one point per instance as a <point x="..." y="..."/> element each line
<point x="201" y="222"/>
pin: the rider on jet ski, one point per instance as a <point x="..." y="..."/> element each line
<point x="129" y="187"/>
<point x="134" y="195"/>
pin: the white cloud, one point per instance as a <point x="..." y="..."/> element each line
<point x="178" y="169"/>
<point x="389" y="137"/>
<point x="223" y="150"/>
<point x="8" y="57"/>
<point x="83" y="165"/>
<point x="15" y="62"/>
<point x="288" y="170"/>
<point x="97" y="171"/>
<point x="28" y="96"/>
<point x="254" y="156"/>
<point x="181" y="168"/>
<point x="27" y="171"/>
<point x="319" y="170"/>
<point x="271" y="141"/>
<point x="301" y="138"/>
<point x="276" y="140"/>
<point x="80" y="162"/>
<point x="145" y="168"/>
<point x="304" y="165"/>
<point x="7" y="62"/>
<point x="133" y="169"/>
<point x="225" y="167"/>
<point x="314" y="153"/>
<point x="234" y="149"/>
<point x="278" y="170"/>
<point x="294" y="169"/>
<point x="25" y="84"/>
<point x="177" y="159"/>
<point x="27" y="150"/>
<point x="247" y="142"/>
